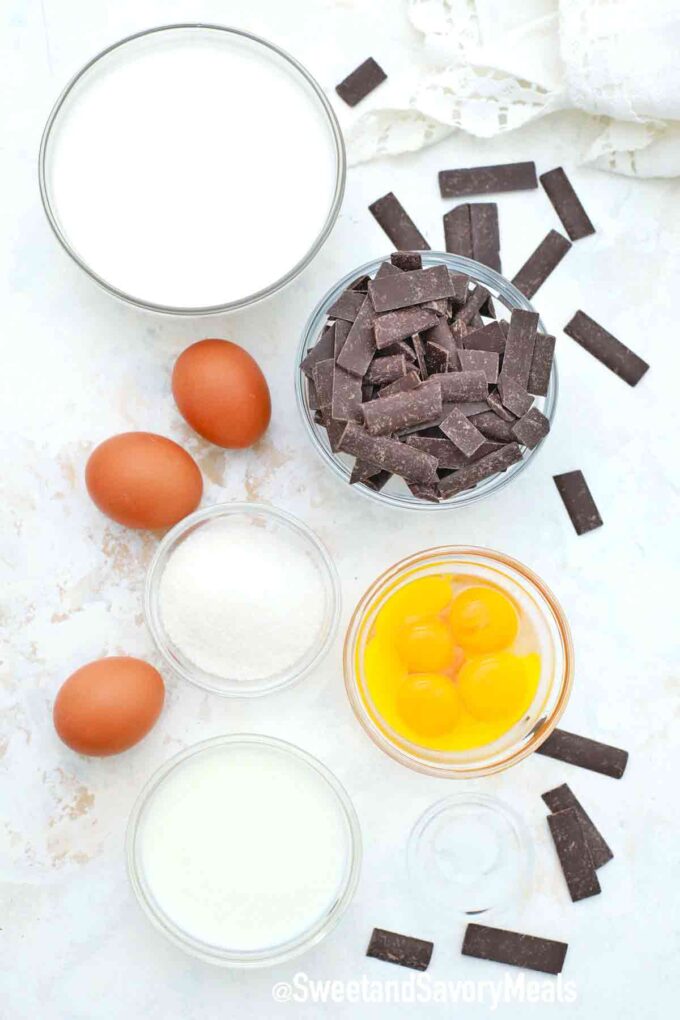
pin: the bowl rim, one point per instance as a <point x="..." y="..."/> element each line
<point x="223" y="307"/>
<point x="541" y="729"/>
<point x="230" y="687"/>
<point x="251" y="958"/>
<point x="404" y="501"/>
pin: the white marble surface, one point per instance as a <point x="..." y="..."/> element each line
<point x="77" y="366"/>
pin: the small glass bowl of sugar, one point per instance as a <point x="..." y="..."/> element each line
<point x="242" y="599"/>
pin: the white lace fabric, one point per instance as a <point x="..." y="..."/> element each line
<point x="491" y="66"/>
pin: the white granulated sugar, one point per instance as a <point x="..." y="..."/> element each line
<point x="240" y="601"/>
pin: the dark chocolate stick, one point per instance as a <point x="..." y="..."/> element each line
<point x="618" y="358"/>
<point x="406" y="260"/>
<point x="402" y="323"/>
<point x="541" y="365"/>
<point x="578" y="501"/>
<point x="458" y="231"/>
<point x="404" y="289"/>
<point x="575" y="860"/>
<point x="562" y="798"/>
<point x="480" y="361"/>
<point x="462" y="432"/>
<point x="362" y="80"/>
<point x="390" y="454"/>
<point x="566" y="204"/>
<point x="586" y="753"/>
<point x="541" y="263"/>
<point x="486" y="180"/>
<point x="512" y="947"/>
<point x="322" y="350"/>
<point x="387" y="415"/>
<point x="359" y="347"/>
<point x="457" y="387"/>
<point x="488" y="338"/>
<point x="397" y="224"/>
<point x="401" y="949"/>
<point x="519" y="347"/>
<point x="470" y="475"/>
<point x="347" y="306"/>
<point x="531" y="428"/>
<point x="486" y="245"/>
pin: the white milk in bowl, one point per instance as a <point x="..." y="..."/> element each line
<point x="192" y="168"/>
<point x="244" y="850"/>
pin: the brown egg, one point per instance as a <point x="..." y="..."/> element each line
<point x="143" y="480"/>
<point x="109" y="705"/>
<point x="222" y="393"/>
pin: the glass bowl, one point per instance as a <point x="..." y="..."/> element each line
<point x="260" y="516"/>
<point x="547" y="618"/>
<point x="395" y="492"/>
<point x="218" y="954"/>
<point x="125" y="49"/>
<point x="470" y="854"/>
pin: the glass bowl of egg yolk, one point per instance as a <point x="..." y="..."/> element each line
<point x="458" y="661"/>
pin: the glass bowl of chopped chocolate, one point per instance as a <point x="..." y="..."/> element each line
<point x="426" y="380"/>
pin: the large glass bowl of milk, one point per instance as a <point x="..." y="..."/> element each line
<point x="244" y="850"/>
<point x="192" y="169"/>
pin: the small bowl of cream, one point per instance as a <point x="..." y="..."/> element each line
<point x="177" y="156"/>
<point x="244" y="850"/>
<point x="242" y="599"/>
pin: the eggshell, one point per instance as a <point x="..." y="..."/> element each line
<point x="143" y="480"/>
<point x="108" y="705"/>
<point x="221" y="392"/>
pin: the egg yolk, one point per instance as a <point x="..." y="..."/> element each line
<point x="483" y="620"/>
<point x="494" y="686"/>
<point x="428" y="703"/>
<point x="426" y="645"/>
<point x="425" y="596"/>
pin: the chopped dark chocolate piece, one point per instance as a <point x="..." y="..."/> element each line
<point x="459" y="386"/>
<point x="575" y="860"/>
<point x="430" y="493"/>
<point x="531" y="428"/>
<point x="346" y="306"/>
<point x="334" y="430"/>
<point x="480" y="361"/>
<point x="485" y="237"/>
<point x="386" y="370"/>
<point x="470" y="475"/>
<point x="541" y="263"/>
<point x="489" y="338"/>
<point x="493" y="426"/>
<point x="359" y="347"/>
<point x="495" y="403"/>
<point x="387" y="415"/>
<point x="437" y="359"/>
<point x="341" y="330"/>
<point x="541" y="364"/>
<point x="322" y="350"/>
<point x="419" y="348"/>
<point x="562" y="798"/>
<point x="473" y="303"/>
<point x="361" y="283"/>
<point x="406" y="260"/>
<point x="397" y="224"/>
<point x="487" y="180"/>
<point x="514" y="397"/>
<point x="459" y="330"/>
<point x="514" y="948"/>
<point x="377" y="482"/>
<point x="448" y="455"/>
<point x="519" y="347"/>
<point x="410" y="381"/>
<point x="404" y="322"/>
<point x="458" y="231"/>
<point x="462" y="432"/>
<point x="618" y="358"/>
<point x="322" y="375"/>
<point x="586" y="753"/>
<point x="347" y="396"/>
<point x="363" y="79"/>
<point x="401" y="949"/>
<point x="413" y="288"/>
<point x="442" y="336"/>
<point x="362" y="471"/>
<point x="440" y="306"/>
<point x="390" y="454"/>
<point x="471" y="407"/>
<point x="566" y="204"/>
<point x="460" y="287"/>
<point x="312" y="398"/>
<point x="578" y="501"/>
<point x="387" y="269"/>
